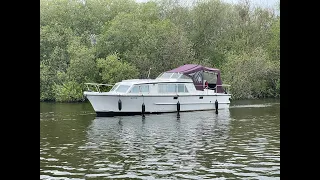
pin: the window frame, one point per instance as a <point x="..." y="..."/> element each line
<point x="116" y="90"/>
<point x="139" y="86"/>
<point x="164" y="87"/>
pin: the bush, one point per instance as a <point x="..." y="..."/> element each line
<point x="113" y="69"/>
<point x="70" y="91"/>
<point x="251" y="75"/>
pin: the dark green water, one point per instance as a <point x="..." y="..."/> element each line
<point x="242" y="142"/>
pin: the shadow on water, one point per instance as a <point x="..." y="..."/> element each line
<point x="236" y="143"/>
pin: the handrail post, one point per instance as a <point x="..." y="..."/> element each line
<point x="97" y="88"/>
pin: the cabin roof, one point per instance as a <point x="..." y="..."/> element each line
<point x="151" y="81"/>
<point x="196" y="72"/>
<point x="190" y="68"/>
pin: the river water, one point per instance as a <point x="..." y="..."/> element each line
<point x="242" y="142"/>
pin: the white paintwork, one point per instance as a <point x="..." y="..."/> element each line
<point x="154" y="101"/>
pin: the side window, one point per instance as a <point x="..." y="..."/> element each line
<point x="182" y="88"/>
<point x="162" y="88"/>
<point x="144" y="88"/>
<point x="167" y="88"/>
<point x="171" y="88"/>
<point x="122" y="88"/>
<point x="114" y="87"/>
<point x="135" y="89"/>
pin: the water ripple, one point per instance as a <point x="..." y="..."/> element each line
<point x="197" y="145"/>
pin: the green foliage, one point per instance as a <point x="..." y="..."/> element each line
<point x="278" y="87"/>
<point x="164" y="46"/>
<point x="252" y="75"/>
<point x="274" y="42"/>
<point x="110" y="40"/>
<point x="209" y="21"/>
<point x="69" y="91"/>
<point x="120" y="35"/>
<point x="47" y="78"/>
<point x="53" y="43"/>
<point x="82" y="66"/>
<point x="112" y="69"/>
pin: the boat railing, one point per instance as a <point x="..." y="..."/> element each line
<point x="96" y="85"/>
<point x="225" y="86"/>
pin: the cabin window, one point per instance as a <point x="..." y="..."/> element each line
<point x="114" y="87"/>
<point x="175" y="75"/>
<point x="211" y="78"/>
<point x="143" y="89"/>
<point x="165" y="75"/>
<point x="184" y="77"/>
<point x="135" y="89"/>
<point x="122" y="88"/>
<point x="167" y="88"/>
<point x="182" y="88"/>
<point x="172" y="88"/>
<point x="162" y="88"/>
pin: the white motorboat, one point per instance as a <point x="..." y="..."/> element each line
<point x="189" y="87"/>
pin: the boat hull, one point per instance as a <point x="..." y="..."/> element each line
<point x="124" y="105"/>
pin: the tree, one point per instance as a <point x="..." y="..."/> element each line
<point x="111" y="40"/>
<point x="164" y="47"/>
<point x="251" y="75"/>
<point x="274" y="41"/>
<point x="47" y="79"/>
<point x="82" y="66"/>
<point x="112" y="69"/>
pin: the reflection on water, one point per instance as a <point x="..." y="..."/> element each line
<point x="237" y="143"/>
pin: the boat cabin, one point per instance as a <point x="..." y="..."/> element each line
<point x="184" y="79"/>
<point x="158" y="86"/>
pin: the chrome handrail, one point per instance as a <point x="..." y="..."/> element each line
<point x="96" y="85"/>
